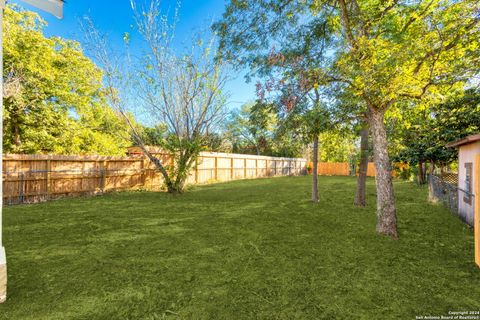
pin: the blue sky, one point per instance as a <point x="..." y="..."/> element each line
<point x="114" y="17"/>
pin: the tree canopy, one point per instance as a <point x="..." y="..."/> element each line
<point x="54" y="101"/>
<point x="425" y="132"/>
<point x="383" y="52"/>
<point x="254" y="128"/>
<point x="181" y="90"/>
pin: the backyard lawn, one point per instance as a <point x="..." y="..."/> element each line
<point x="252" y="249"/>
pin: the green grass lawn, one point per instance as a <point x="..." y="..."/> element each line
<point x="256" y="249"/>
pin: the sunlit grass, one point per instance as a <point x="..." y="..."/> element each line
<point x="255" y="249"/>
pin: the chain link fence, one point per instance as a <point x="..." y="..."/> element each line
<point x="444" y="188"/>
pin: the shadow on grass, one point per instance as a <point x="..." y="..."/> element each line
<point x="252" y="249"/>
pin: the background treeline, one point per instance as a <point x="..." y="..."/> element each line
<point x="55" y="103"/>
<point x="54" y="97"/>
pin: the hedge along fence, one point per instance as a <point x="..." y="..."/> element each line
<point x="34" y="178"/>
<point x="340" y="169"/>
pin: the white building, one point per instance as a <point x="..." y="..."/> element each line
<point x="468" y="149"/>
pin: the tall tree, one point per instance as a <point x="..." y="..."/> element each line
<point x="360" y="193"/>
<point x="384" y="52"/>
<point x="253" y="126"/>
<point x="54" y="99"/>
<point x="315" y="121"/>
<point x="304" y="113"/>
<point x="179" y="89"/>
<point x="353" y="113"/>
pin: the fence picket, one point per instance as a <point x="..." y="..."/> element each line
<point x="34" y="178"/>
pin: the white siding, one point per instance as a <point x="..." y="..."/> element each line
<point x="466" y="154"/>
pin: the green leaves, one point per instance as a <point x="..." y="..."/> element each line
<point x="126" y="37"/>
<point x="425" y="130"/>
<point x="54" y="100"/>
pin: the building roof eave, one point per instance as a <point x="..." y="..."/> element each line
<point x="464" y="141"/>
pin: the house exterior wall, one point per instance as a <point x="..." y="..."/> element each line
<point x="466" y="154"/>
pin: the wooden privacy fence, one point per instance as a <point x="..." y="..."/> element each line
<point x="34" y="178"/>
<point x="340" y="169"/>
<point x="333" y="169"/>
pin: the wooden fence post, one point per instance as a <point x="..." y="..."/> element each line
<point x="82" y="188"/>
<point x="256" y="168"/>
<point x="216" y="168"/>
<point x="196" y="171"/>
<point x="244" y="168"/>
<point x="49" y="177"/>
<point x="103" y="176"/>
<point x="231" y="168"/>
<point x="21" y="191"/>
<point x="476" y="178"/>
<point x="143" y="176"/>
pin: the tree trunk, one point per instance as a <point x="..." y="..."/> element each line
<point x="315" y="197"/>
<point x="386" y="212"/>
<point x="17" y="140"/>
<point x="186" y="161"/>
<point x="431" y="168"/>
<point x="424" y="172"/>
<point x="421" y="175"/>
<point x="360" y="197"/>
<point x="169" y="183"/>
